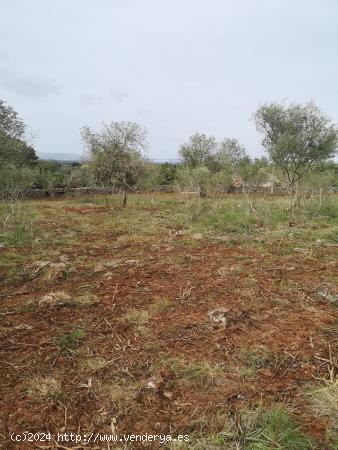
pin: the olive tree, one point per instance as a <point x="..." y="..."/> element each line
<point x="14" y="149"/>
<point x="296" y="137"/>
<point x="201" y="156"/>
<point x="115" y="154"/>
<point x="231" y="152"/>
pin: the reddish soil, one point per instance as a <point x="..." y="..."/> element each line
<point x="275" y="307"/>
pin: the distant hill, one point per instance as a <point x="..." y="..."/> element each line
<point x="75" y="157"/>
<point x="59" y="156"/>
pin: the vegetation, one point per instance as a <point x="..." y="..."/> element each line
<point x="105" y="311"/>
<point x="296" y="137"/>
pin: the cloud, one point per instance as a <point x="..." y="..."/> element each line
<point x="119" y="96"/>
<point x="29" y="86"/>
<point x="89" y="99"/>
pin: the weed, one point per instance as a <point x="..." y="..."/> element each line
<point x="16" y="225"/>
<point x="273" y="429"/>
<point x="44" y="388"/>
<point x="199" y="373"/>
<point x="139" y="319"/>
<point x="245" y="373"/>
<point x="83" y="300"/>
<point x="324" y="401"/>
<point x="70" y="341"/>
<point x="94" y="365"/>
<point x="161" y="305"/>
<point x="186" y="294"/>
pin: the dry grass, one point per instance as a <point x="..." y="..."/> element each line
<point x="198" y="373"/>
<point x="47" y="388"/>
<point x="324" y="402"/>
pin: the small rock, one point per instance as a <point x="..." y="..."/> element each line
<point x="54" y="298"/>
<point x="56" y="270"/>
<point x="197" y="236"/>
<point x="218" y="316"/>
<point x="168" y="394"/>
<point x="176" y="233"/>
<point x="63" y="258"/>
<point x="154" y="382"/>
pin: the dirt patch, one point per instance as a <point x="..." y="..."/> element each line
<point x="144" y="353"/>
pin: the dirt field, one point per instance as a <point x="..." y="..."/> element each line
<point x="128" y="347"/>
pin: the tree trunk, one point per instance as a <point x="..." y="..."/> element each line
<point x="124" y="198"/>
<point x="203" y="192"/>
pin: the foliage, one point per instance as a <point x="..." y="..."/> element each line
<point x="13" y="148"/>
<point x="115" y="153"/>
<point x="16" y="224"/>
<point x="231" y="152"/>
<point x="296" y="137"/>
<point x="14" y="181"/>
<point x="201" y="150"/>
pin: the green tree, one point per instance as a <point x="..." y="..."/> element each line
<point x="115" y="154"/>
<point x="231" y="152"/>
<point x="296" y="137"/>
<point x="201" y="150"/>
<point x="14" y="149"/>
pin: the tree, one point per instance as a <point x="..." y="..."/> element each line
<point x="13" y="147"/>
<point x="167" y="173"/>
<point x="231" y="152"/>
<point x="115" y="154"/>
<point x="296" y="137"/>
<point x="201" y="150"/>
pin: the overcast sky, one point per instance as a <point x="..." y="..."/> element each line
<point x="174" y="66"/>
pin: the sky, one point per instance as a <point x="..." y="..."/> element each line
<point x="175" y="67"/>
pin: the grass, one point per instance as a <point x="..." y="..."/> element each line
<point x="263" y="357"/>
<point x="173" y="274"/>
<point x="67" y="342"/>
<point x="273" y="429"/>
<point x="324" y="402"/>
<point x="138" y="319"/>
<point x="43" y="389"/>
<point x="199" y="373"/>
<point x="94" y="364"/>
<point x="17" y="224"/>
<point x="161" y="305"/>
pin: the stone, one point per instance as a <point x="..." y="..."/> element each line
<point x="218" y="316"/>
<point x="54" y="299"/>
<point x="197" y="236"/>
<point x="56" y="270"/>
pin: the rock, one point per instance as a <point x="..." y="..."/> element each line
<point x="168" y="394"/>
<point x="155" y="382"/>
<point x="218" y="316"/>
<point x="327" y="294"/>
<point x="176" y="233"/>
<point x="54" y="299"/>
<point x="63" y="258"/>
<point x="197" y="236"/>
<point x="56" y="270"/>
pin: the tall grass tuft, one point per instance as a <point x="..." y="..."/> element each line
<point x="17" y="224"/>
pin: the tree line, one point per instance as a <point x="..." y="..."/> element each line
<point x="300" y="142"/>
